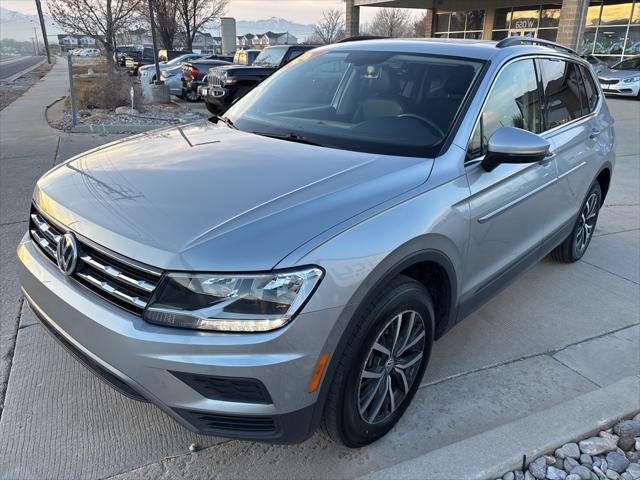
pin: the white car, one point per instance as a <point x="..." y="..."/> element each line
<point x="622" y="79"/>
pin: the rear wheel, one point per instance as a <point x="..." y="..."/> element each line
<point x="381" y="367"/>
<point x="575" y="245"/>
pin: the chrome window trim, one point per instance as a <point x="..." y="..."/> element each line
<point x="543" y="134"/>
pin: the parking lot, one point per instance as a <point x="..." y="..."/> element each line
<point x="559" y="332"/>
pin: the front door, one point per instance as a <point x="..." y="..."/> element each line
<point x="508" y="206"/>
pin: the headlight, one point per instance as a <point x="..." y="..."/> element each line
<point x="632" y="79"/>
<point x="229" y="302"/>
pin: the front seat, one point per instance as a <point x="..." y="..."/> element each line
<point x="447" y="103"/>
<point x="381" y="98"/>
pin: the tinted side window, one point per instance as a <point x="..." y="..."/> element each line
<point x="590" y="88"/>
<point x="561" y="82"/>
<point x="513" y="102"/>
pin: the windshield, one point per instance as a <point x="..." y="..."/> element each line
<point x="270" y="57"/>
<point x="629" y="64"/>
<point x="378" y="102"/>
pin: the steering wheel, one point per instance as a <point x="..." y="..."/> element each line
<point x="429" y="123"/>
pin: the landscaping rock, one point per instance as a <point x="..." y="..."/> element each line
<point x="509" y="476"/>
<point x="634" y="457"/>
<point x="583" y="472"/>
<point x="613" y="475"/>
<point x="554" y="473"/>
<point x="572" y="477"/>
<point x="570" y="464"/>
<point x="627" y="428"/>
<point x="538" y="468"/>
<point x="634" y="471"/>
<point x="597" y="445"/>
<point x="568" y="450"/>
<point x="586" y="459"/>
<point x="617" y="461"/>
<point x="519" y="475"/>
<point x="626" y="442"/>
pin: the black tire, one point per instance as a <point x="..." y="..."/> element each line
<point x="190" y="96"/>
<point x="213" y="110"/>
<point x="344" y="420"/>
<point x="575" y="245"/>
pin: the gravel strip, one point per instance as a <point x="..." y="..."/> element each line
<point x="613" y="455"/>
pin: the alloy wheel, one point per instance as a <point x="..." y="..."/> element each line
<point x="391" y="367"/>
<point x="586" y="223"/>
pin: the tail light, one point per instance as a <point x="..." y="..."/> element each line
<point x="194" y="72"/>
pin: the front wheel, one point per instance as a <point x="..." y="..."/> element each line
<point x="190" y="96"/>
<point x="381" y="367"/>
<point x="575" y="245"/>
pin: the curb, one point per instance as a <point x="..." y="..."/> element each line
<point x="492" y="453"/>
<point x="12" y="78"/>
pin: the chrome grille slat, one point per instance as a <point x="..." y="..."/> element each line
<point x="45" y="244"/>
<point x="117" y="273"/>
<point x="109" y="275"/>
<point x="45" y="228"/>
<point x="107" y="287"/>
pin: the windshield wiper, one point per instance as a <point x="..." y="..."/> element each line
<point x="226" y="120"/>
<point x="290" y="137"/>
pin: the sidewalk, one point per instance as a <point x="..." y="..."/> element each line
<point x="560" y="332"/>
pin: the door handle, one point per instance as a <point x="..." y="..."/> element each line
<point x="547" y="158"/>
<point x="594" y="133"/>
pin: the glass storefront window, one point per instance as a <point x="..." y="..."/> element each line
<point x="524" y="19"/>
<point x="467" y="24"/>
<point x="457" y="22"/>
<point x="550" y="17"/>
<point x="475" y="20"/>
<point x="616" y="13"/>
<point x="499" y="35"/>
<point x="633" y="41"/>
<point x="500" y="18"/>
<point x="442" y="22"/>
<point x="548" y="34"/>
<point x="610" y="30"/>
<point x="610" y="40"/>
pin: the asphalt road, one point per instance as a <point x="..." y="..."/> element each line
<point x="9" y="66"/>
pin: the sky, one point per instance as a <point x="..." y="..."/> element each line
<point x="300" y="11"/>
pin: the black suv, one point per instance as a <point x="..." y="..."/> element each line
<point x="228" y="83"/>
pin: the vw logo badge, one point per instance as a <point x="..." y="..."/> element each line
<point x="67" y="253"/>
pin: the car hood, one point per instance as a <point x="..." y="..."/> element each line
<point x="207" y="197"/>
<point x="617" y="74"/>
<point x="246" y="69"/>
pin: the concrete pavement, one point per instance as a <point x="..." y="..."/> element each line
<point x="560" y="332"/>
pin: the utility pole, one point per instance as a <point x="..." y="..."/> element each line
<point x="44" y="31"/>
<point x="155" y="44"/>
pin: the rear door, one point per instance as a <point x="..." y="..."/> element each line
<point x="509" y="206"/>
<point x="573" y="132"/>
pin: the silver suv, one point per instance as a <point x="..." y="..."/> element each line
<point x="291" y="263"/>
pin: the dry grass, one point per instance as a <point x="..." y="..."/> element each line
<point x="106" y="92"/>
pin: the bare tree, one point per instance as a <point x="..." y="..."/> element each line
<point x="98" y="19"/>
<point x="330" y="28"/>
<point x="194" y="14"/>
<point x="166" y="20"/>
<point x="391" y="22"/>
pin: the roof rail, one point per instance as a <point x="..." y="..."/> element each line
<point x="357" y="38"/>
<point x="518" y="40"/>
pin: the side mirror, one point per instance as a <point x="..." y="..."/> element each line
<point x="514" y="145"/>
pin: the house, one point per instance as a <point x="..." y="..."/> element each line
<point x="68" y="41"/>
<point x="207" y="43"/>
<point x="262" y="40"/>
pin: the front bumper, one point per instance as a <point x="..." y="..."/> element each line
<point x="168" y="366"/>
<point x="217" y="96"/>
<point x="621" y="88"/>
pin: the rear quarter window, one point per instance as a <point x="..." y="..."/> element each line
<point x="563" y="90"/>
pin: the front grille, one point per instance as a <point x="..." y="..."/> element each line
<point x="116" y="279"/>
<point x="608" y="82"/>
<point x="214" y="80"/>
<point x="228" y="389"/>
<point x="230" y="425"/>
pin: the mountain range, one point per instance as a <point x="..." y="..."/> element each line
<point x="20" y="26"/>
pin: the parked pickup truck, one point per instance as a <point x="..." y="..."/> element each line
<point x="228" y="83"/>
<point x="135" y="60"/>
<point x="193" y="74"/>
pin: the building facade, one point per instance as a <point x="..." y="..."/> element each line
<point x="608" y="29"/>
